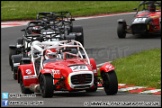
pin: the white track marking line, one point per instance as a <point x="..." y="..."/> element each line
<point x="151" y="91"/>
<point x="131" y="88"/>
<point x="121" y="84"/>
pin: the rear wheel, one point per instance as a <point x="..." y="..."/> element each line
<point x="11" y="52"/>
<point x="15" y="74"/>
<point x="15" y="59"/>
<point x="23" y="88"/>
<point x="20" y="41"/>
<point x="121" y="30"/>
<point x="46" y="86"/>
<point x="80" y="36"/>
<point x="110" y="82"/>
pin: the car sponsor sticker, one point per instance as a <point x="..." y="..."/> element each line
<point x="29" y="76"/>
<point x="109" y="66"/>
<point x="28" y="71"/>
<point x="55" y="71"/>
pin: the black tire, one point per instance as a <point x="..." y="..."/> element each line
<point x="25" y="60"/>
<point x="23" y="88"/>
<point x="121" y="30"/>
<point x="81" y="37"/>
<point x="15" y="59"/>
<point x="20" y="41"/>
<point x="46" y="86"/>
<point x="11" y="52"/>
<point x="110" y="82"/>
<point x="14" y="74"/>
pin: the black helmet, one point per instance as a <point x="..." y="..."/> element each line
<point x="151" y="7"/>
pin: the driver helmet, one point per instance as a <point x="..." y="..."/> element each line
<point x="152" y="8"/>
<point x="50" y="54"/>
<point x="36" y="30"/>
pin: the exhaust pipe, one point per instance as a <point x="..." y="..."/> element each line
<point x="35" y="88"/>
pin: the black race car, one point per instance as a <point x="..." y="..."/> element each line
<point x="63" y="23"/>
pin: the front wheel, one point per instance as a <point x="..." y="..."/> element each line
<point x="110" y="82"/>
<point x="121" y="30"/>
<point x="46" y="86"/>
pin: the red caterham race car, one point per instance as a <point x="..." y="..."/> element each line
<point x="63" y="66"/>
<point x="147" y="20"/>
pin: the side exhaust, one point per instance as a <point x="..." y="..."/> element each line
<point x="35" y="88"/>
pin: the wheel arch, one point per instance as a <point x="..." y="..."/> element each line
<point x="107" y="67"/>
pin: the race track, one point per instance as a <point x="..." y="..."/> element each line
<point x="102" y="43"/>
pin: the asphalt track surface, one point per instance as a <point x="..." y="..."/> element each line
<point x="102" y="43"/>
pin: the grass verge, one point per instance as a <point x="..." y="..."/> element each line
<point x="21" y="10"/>
<point x="143" y="68"/>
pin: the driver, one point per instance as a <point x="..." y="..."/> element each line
<point x="50" y="55"/>
<point x="152" y="7"/>
<point x="36" y="30"/>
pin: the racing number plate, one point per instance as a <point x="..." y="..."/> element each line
<point x="139" y="20"/>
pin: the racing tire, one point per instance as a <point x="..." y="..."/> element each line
<point x="14" y="75"/>
<point x="46" y="86"/>
<point x="110" y="82"/>
<point x="11" y="52"/>
<point x="15" y="59"/>
<point x="121" y="30"/>
<point x="24" y="90"/>
<point x="20" y="41"/>
<point x="81" y="37"/>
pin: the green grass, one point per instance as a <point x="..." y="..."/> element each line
<point x="20" y="10"/>
<point x="143" y="68"/>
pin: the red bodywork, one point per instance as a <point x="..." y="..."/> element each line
<point x="156" y="19"/>
<point x="107" y="67"/>
<point x="61" y="72"/>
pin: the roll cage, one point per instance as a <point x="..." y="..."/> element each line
<point x="63" y="49"/>
<point x="144" y="5"/>
<point x="60" y="19"/>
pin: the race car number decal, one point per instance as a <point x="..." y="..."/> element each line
<point x="137" y="20"/>
<point x="81" y="67"/>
